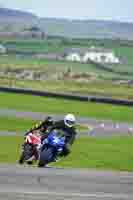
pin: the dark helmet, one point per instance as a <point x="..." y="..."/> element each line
<point x="48" y="121"/>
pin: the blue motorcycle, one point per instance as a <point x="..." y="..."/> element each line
<point x="52" y="146"/>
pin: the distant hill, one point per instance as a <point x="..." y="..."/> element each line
<point x="11" y="20"/>
<point x="15" y="19"/>
<point x="88" y="28"/>
<point x="5" y="12"/>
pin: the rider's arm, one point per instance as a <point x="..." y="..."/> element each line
<point x="73" y="136"/>
<point x="56" y="125"/>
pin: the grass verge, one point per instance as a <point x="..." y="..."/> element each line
<point x="101" y="153"/>
<point x="61" y="106"/>
<point x="16" y="125"/>
<point x="99" y="88"/>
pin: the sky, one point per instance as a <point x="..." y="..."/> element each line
<point x="118" y="10"/>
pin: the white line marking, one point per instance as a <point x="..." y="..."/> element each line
<point x="96" y="195"/>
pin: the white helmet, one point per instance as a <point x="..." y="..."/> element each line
<point x="69" y="120"/>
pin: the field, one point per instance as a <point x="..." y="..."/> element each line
<point x="100" y="81"/>
<point x="112" y="153"/>
<point x="101" y="88"/>
<point x="60" y="46"/>
<point x="59" y="106"/>
<point x="15" y="124"/>
<point x="52" y="67"/>
<point x="122" y="49"/>
<point x="23" y="62"/>
<point x="35" y="45"/>
<point x="99" y="84"/>
<point x="101" y="153"/>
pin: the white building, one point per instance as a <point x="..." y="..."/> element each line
<point x="2" y="49"/>
<point x="98" y="55"/>
<point x="73" y="56"/>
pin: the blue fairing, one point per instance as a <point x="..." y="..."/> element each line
<point x="51" y="147"/>
<point x="54" y="140"/>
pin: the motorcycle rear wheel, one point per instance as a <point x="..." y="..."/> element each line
<point x="21" y="159"/>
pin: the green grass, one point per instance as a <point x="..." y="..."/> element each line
<point x="36" y="45"/>
<point x="14" y="124"/>
<point x="126" y="52"/>
<point x="101" y="153"/>
<point x="10" y="148"/>
<point x="61" y="106"/>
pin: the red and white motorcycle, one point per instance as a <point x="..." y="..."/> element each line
<point x="30" y="148"/>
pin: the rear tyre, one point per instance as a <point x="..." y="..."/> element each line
<point x="26" y="154"/>
<point x="21" y="160"/>
<point x="28" y="151"/>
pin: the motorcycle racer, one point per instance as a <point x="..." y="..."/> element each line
<point x="67" y="128"/>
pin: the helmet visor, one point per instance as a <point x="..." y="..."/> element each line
<point x="70" y="123"/>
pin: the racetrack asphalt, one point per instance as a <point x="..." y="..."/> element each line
<point x="31" y="183"/>
<point x="95" y="127"/>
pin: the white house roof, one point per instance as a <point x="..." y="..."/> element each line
<point x="2" y="49"/>
<point x="80" y="51"/>
<point x="1" y="46"/>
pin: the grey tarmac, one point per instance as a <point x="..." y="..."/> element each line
<point x="31" y="183"/>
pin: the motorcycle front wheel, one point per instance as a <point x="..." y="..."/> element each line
<point x="46" y="156"/>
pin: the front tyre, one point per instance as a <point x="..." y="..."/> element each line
<point x="42" y="164"/>
<point x="46" y="156"/>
